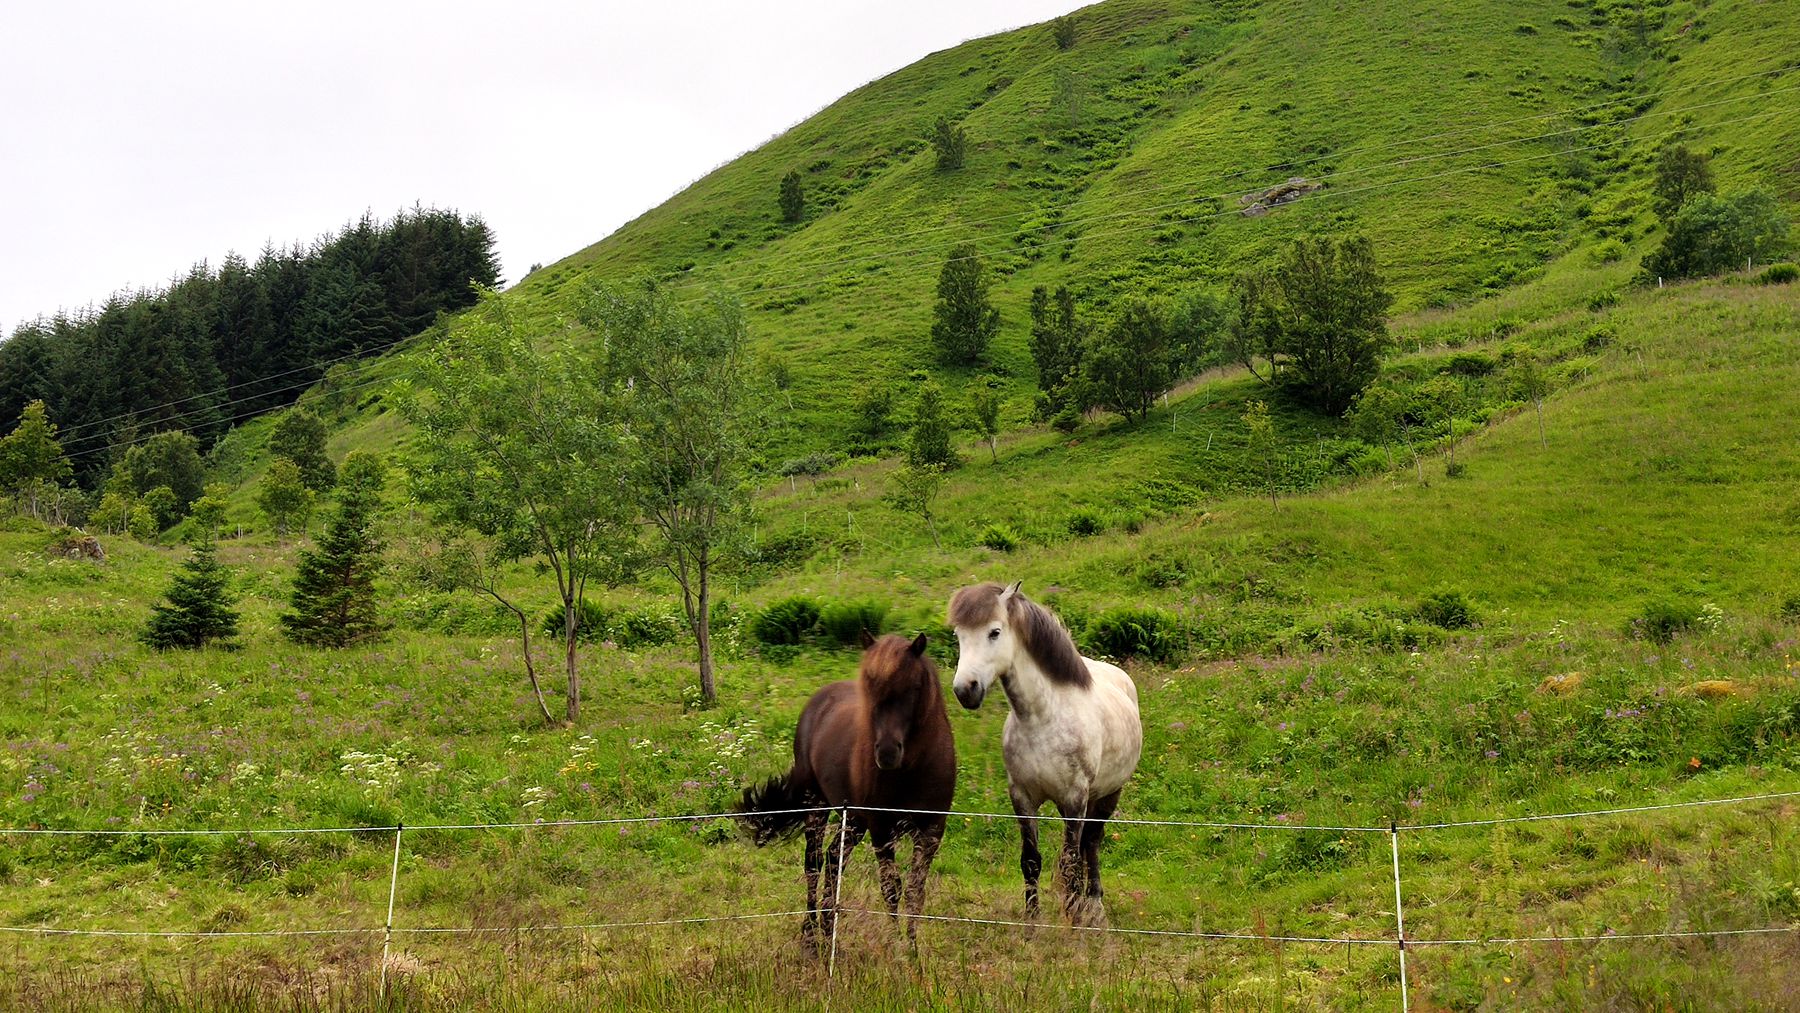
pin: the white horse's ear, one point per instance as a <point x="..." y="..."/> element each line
<point x="1011" y="589"/>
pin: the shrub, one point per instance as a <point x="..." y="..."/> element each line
<point x="845" y="621"/>
<point x="786" y="622"/>
<point x="630" y="629"/>
<point x="1790" y="607"/>
<point x="1067" y="420"/>
<point x="998" y="537"/>
<point x="1447" y="608"/>
<point x="1063" y="31"/>
<point x="1085" y="522"/>
<point x="1607" y="251"/>
<point x="1161" y="572"/>
<point x="1778" y="274"/>
<point x="1469" y="364"/>
<point x="1127" y="632"/>
<point x="1663" y="620"/>
<point x="1603" y="300"/>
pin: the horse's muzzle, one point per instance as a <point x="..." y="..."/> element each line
<point x="888" y="757"/>
<point x="969" y="695"/>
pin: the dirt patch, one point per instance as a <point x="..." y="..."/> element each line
<point x="1261" y="202"/>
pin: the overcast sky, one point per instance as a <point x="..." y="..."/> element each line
<point x="137" y="138"/>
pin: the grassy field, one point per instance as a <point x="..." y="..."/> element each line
<point x="1548" y="705"/>
<point x="1307" y="679"/>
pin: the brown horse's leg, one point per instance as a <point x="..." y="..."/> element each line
<point x="1030" y="861"/>
<point x="884" y="839"/>
<point x="1099" y="812"/>
<point x="849" y="832"/>
<point x="925" y="848"/>
<point x="815" y="859"/>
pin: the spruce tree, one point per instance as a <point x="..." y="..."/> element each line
<point x="333" y="602"/>
<point x="198" y="607"/>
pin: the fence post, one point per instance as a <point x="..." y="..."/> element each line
<point x="837" y="889"/>
<point x="387" y="936"/>
<point x="1399" y="915"/>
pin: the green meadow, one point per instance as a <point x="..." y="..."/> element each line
<point x="1600" y="611"/>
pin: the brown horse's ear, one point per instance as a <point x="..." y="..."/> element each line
<point x="865" y="638"/>
<point x="918" y="645"/>
<point x="1011" y="589"/>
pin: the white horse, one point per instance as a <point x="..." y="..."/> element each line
<point x="1073" y="736"/>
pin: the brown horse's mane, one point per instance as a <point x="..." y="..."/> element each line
<point x="1040" y="632"/>
<point x="889" y="664"/>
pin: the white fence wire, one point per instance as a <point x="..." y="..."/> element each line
<point x="1399" y="940"/>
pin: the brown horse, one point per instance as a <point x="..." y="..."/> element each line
<point x="875" y="743"/>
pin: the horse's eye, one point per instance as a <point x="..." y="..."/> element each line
<point x="994" y="634"/>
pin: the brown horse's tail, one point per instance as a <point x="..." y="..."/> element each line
<point x="776" y="808"/>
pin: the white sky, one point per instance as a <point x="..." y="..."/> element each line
<point x="137" y="138"/>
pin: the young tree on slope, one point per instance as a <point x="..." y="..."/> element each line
<point x="694" y="410"/>
<point x="527" y="450"/>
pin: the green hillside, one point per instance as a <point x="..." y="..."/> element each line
<point x="1600" y="610"/>
<point x="1473" y="147"/>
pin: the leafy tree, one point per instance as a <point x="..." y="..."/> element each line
<point x="163" y="506"/>
<point x="951" y="144"/>
<point x="696" y="414"/>
<point x="1446" y="396"/>
<point x="964" y="321"/>
<point x="168" y="460"/>
<point x="984" y="407"/>
<point x="1681" y="175"/>
<point x="1198" y="324"/>
<point x="32" y="462"/>
<point x="1379" y="416"/>
<point x="284" y="498"/>
<point x="1063" y="31"/>
<point x="333" y="601"/>
<point x="1321" y="314"/>
<point x="929" y="442"/>
<point x="1528" y="379"/>
<point x="527" y="450"/>
<point x="1259" y="444"/>
<point x="198" y="607"/>
<point x="916" y="488"/>
<point x="1712" y="234"/>
<point x="793" y="198"/>
<point x="300" y="437"/>
<point x="1057" y="340"/>
<point x="1133" y="362"/>
<point x="874" y="412"/>
<point x="113" y="515"/>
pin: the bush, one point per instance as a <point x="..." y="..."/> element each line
<point x="1067" y="420"/>
<point x="1468" y="364"/>
<point x="1448" y="609"/>
<point x="1607" y="251"/>
<point x="1778" y="274"/>
<point x="630" y="629"/>
<point x="1663" y="620"/>
<point x="1083" y="523"/>
<point x="998" y="537"/>
<point x="1126" y="632"/>
<point x="786" y="622"/>
<point x="845" y="621"/>
<point x="1598" y="337"/>
<point x="1790" y="608"/>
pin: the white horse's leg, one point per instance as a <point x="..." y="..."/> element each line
<point x="1070" y="875"/>
<point x="1093" y="833"/>
<point x="1030" y="861"/>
